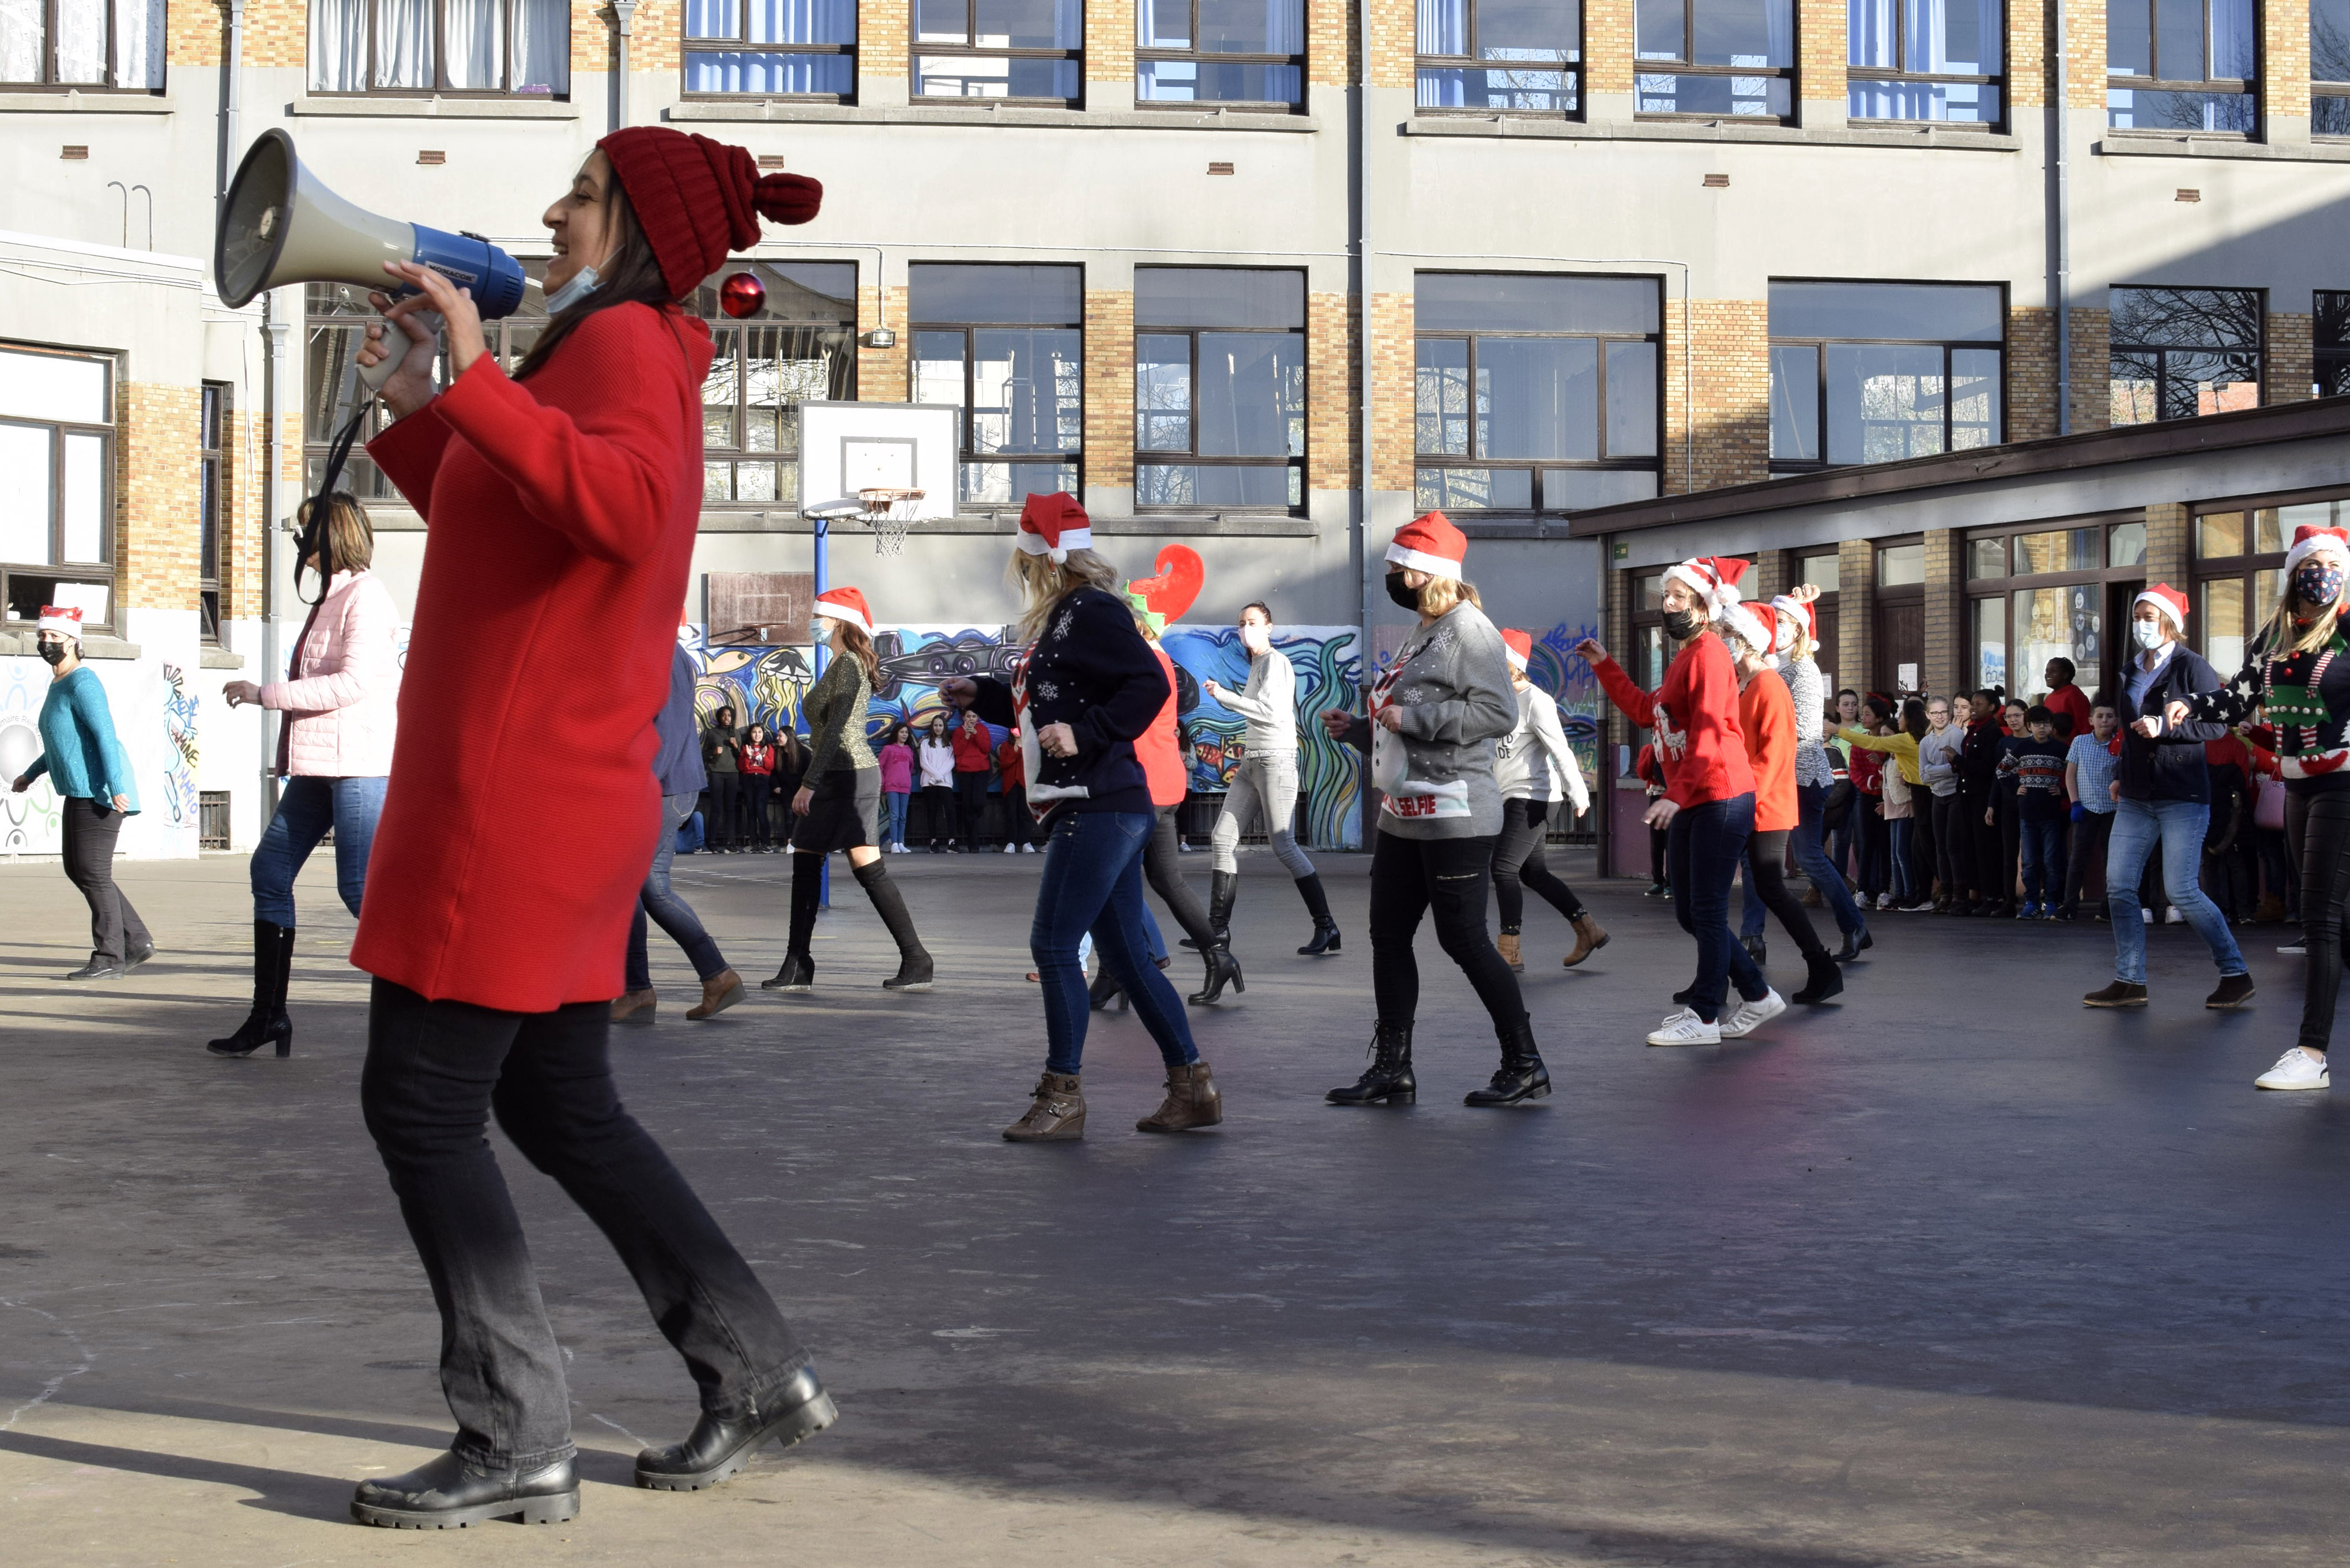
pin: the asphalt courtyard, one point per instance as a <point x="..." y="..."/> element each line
<point x="1956" y="1272"/>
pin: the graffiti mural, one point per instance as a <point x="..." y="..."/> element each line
<point x="32" y="822"/>
<point x="179" y="804"/>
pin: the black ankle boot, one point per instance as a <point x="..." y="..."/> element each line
<point x="1823" y="977"/>
<point x="1105" y="991"/>
<point x="798" y="973"/>
<point x="1855" y="944"/>
<point x="1224" y="886"/>
<point x="449" y="1494"/>
<point x="272" y="967"/>
<point x="1389" y="1078"/>
<point x="1521" y="1076"/>
<point x="1223" y="969"/>
<point x="1326" y="929"/>
<point x="797" y="1411"/>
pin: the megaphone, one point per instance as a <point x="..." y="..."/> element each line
<point x="280" y="224"/>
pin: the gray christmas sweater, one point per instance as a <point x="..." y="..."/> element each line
<point x="1451" y="685"/>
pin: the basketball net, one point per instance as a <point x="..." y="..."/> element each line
<point x="890" y="514"/>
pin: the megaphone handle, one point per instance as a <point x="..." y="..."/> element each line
<point x="374" y="375"/>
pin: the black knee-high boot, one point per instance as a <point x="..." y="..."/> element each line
<point x="798" y="972"/>
<point x="914" y="967"/>
<point x="272" y="967"/>
<point x="1326" y="929"/>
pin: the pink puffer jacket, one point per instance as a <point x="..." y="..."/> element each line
<point x="343" y="702"/>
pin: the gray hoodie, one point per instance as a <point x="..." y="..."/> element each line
<point x="1452" y="683"/>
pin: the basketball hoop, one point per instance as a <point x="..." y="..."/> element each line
<point x="890" y="514"/>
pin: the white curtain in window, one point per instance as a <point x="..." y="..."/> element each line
<point x="139" y="43"/>
<point x="1779" y="16"/>
<point x="25" y="455"/>
<point x="403" y="43"/>
<point x="474" y="38"/>
<point x="20" y="41"/>
<point x="1284" y="26"/>
<point x="1868" y="30"/>
<point x="803" y="21"/>
<point x="542" y="52"/>
<point x="1929" y="23"/>
<point x="1444" y="27"/>
<point x="81" y="40"/>
<point x="338" y="45"/>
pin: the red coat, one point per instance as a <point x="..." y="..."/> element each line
<point x="1766" y="713"/>
<point x="2067" y="699"/>
<point x="560" y="516"/>
<point x="1159" y="749"/>
<point x="974" y="748"/>
<point x="1694" y="717"/>
<point x="1011" y="767"/>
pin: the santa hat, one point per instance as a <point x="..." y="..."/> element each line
<point x="1430" y="544"/>
<point x="845" y="605"/>
<point x="699" y="201"/>
<point x="1713" y="578"/>
<point x="63" y="618"/>
<point x="1054" y="525"/>
<point x="1802" y="610"/>
<point x="2169" y="601"/>
<point x="1742" y="622"/>
<point x="1519" y="645"/>
<point x="2309" y="540"/>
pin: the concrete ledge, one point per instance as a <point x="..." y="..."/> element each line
<point x="959" y="116"/>
<point x="2155" y="144"/>
<point x="1235" y="525"/>
<point x="221" y="658"/>
<point x="435" y="108"/>
<point x="27" y="645"/>
<point x="1516" y="528"/>
<point x="1940" y="138"/>
<point x="74" y="102"/>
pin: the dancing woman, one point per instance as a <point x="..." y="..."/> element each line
<point x="560" y="506"/>
<point x="1089" y="686"/>
<point x="1796" y="640"/>
<point x="1266" y="783"/>
<point x="1709" y="803"/>
<point x="1434" y="717"/>
<point x="1533" y="767"/>
<point x="839" y="805"/>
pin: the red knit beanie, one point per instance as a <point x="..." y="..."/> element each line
<point x="700" y="200"/>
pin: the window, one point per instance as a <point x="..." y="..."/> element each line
<point x="2045" y="592"/>
<point x="800" y="347"/>
<point x="1823" y="569"/>
<point x="1650" y="657"/>
<point x="1005" y="343"/>
<point x="771" y="48"/>
<point x="1519" y="57"/>
<point x="2330" y="335"/>
<point x="82" y="43"/>
<point x="57" y="503"/>
<point x="2239" y="570"/>
<point x="2180" y="352"/>
<point x="466" y="46"/>
<point x="1876" y="372"/>
<point x="1535" y="393"/>
<point x="1925" y="60"/>
<point x="2329" y="67"/>
<point x="1219" y="388"/>
<point x="1019" y="50"/>
<point x="1219" y="51"/>
<point x="2180" y="65"/>
<point x="211" y="453"/>
<point x="1716" y="57"/>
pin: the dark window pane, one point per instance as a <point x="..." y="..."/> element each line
<point x="1885" y="402"/>
<point x="1474" y="489"/>
<point x="1522" y="90"/>
<point x="2129" y="43"/>
<point x="2131" y="109"/>
<point x="1573" y="489"/>
<point x="1163" y="24"/>
<point x="1532" y="302"/>
<point x="2179" y="40"/>
<point x="1251" y="394"/>
<point x="1162" y="393"/>
<point x="1027" y="24"/>
<point x="1529" y="29"/>
<point x="1662" y="26"/>
<point x="2195" y="384"/>
<point x="1795" y="403"/>
<point x="2331" y="329"/>
<point x="2132" y="380"/>
<point x="1911" y="312"/>
<point x="963" y="292"/>
<point x="2186" y="317"/>
<point x="1975" y="398"/>
<point x="2329" y="40"/>
<point x="1770" y="97"/>
<point x="2332" y="377"/>
<point x="1218" y="296"/>
<point x="1743" y="33"/>
<point x="816" y="293"/>
<point x="1538" y="397"/>
<point x="1252" y="27"/>
<point x="1025" y="391"/>
<point x="1631" y="399"/>
<point x="1199" y="81"/>
<point x="1205" y="485"/>
<point x="1441" y="397"/>
<point x="1955" y="37"/>
<point x="942" y="21"/>
<point x="2231" y="41"/>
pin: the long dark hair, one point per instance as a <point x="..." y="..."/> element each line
<point x="631" y="275"/>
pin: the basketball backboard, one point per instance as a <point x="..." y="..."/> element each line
<point x="850" y="448"/>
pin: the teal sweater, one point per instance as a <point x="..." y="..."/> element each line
<point x="80" y="752"/>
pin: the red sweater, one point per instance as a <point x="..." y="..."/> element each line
<point x="1160" y="748"/>
<point x="1694" y="716"/>
<point x="2067" y="699"/>
<point x="1766" y="713"/>
<point x="1011" y="767"/>
<point x="559" y="521"/>
<point x="974" y="748"/>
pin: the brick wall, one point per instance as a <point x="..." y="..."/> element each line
<point x="155" y="495"/>
<point x="1856" y="614"/>
<point x="194" y="33"/>
<point x="1729" y="402"/>
<point x="1333" y="391"/>
<point x="2084" y="61"/>
<point x="1109" y="387"/>
<point x="2165" y="543"/>
<point x="245" y="524"/>
<point x="2284" y="62"/>
<point x="1393" y="358"/>
<point x="1110" y="41"/>
<point x="2290" y="364"/>
<point x="594" y="40"/>
<point x="2030" y="373"/>
<point x="1395" y="35"/>
<point x="1617" y="639"/>
<point x="276" y="32"/>
<point x="2092" y="335"/>
<point x="653" y="36"/>
<point x="1330" y="41"/>
<point x="2029" y="24"/>
<point x="1820" y="52"/>
<point x="1941" y="670"/>
<point x="1608" y="46"/>
<point x="884" y="375"/>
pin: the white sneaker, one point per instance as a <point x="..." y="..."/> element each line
<point x="2147" y="915"/>
<point x="1027" y="849"/>
<point x="2295" y="950"/>
<point x="2171" y="917"/>
<point x="2296" y="1069"/>
<point x="1686" y="1028"/>
<point x="1752" y="1015"/>
<point x="1885" y="900"/>
<point x="1012" y="849"/>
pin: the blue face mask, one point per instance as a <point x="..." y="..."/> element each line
<point x="583" y="284"/>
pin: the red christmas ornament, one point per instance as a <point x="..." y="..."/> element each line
<point x="742" y="295"/>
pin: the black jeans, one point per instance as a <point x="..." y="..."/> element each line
<point x="939" y="811"/>
<point x="726" y="801"/>
<point x="1982" y="841"/>
<point x="1019" y="828"/>
<point x="116" y="931"/>
<point x="1163" y="870"/>
<point x="2320" y="823"/>
<point x="2088" y="853"/>
<point x="1446" y="876"/>
<point x="2280" y="877"/>
<point x="971" y="802"/>
<point x="1766" y="873"/>
<point x="1951" y="846"/>
<point x="756" y="788"/>
<point x="1657" y="839"/>
<point x="435" y="1072"/>
<point x="1709" y="844"/>
<point x="1518" y="863"/>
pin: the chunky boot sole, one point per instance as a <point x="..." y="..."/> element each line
<point x="1390" y="1097"/>
<point x="795" y="1425"/>
<point x="1486" y="1100"/>
<point x="239" y="1044"/>
<point x="1071" y="1131"/>
<point x="556" y="1509"/>
<point x="901" y="982"/>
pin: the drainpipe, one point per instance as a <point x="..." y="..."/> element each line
<point x="2059" y="264"/>
<point x="232" y="101"/>
<point x="1359" y="547"/>
<point x="276" y="380"/>
<point x="624" y="16"/>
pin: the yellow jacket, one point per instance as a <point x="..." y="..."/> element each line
<point x="1901" y="743"/>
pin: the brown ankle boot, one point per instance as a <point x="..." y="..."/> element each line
<point x="1059" y="1113"/>
<point x="636" y="1008"/>
<point x="1192" y="1102"/>
<point x="719" y="993"/>
<point x="1588" y="939"/>
<point x="1506" y="944"/>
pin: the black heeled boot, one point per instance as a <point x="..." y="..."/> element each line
<point x="797" y="1411"/>
<point x="1389" y="1078"/>
<point x="915" y="970"/>
<point x="1105" y="991"/>
<point x="1521" y="1076"/>
<point x="1326" y="929"/>
<point x="1224" y="886"/>
<point x="273" y="967"/>
<point x="798" y="971"/>
<point x="1823" y="979"/>
<point x="1223" y="969"/>
<point x="1855" y="944"/>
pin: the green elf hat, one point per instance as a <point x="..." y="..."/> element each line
<point x="1144" y="614"/>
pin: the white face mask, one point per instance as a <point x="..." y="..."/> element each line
<point x="1256" y="638"/>
<point x="2149" y="634"/>
<point x="1786" y="639"/>
<point x="583" y="284"/>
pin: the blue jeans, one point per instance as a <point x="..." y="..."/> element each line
<point x="1898" y="832"/>
<point x="1149" y="932"/>
<point x="661" y="902"/>
<point x="2043" y="845"/>
<point x="1812" y="859"/>
<point x="1707" y="846"/>
<point x="894" y="802"/>
<point x="305" y="811"/>
<point x="2177" y="825"/>
<point x="1092" y="883"/>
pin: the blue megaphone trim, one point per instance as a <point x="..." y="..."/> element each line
<point x="471" y="262"/>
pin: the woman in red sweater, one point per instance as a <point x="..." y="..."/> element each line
<point x="560" y="507"/>
<point x="1767" y="714"/>
<point x="1709" y="801"/>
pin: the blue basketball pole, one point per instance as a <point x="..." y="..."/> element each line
<point x="822" y="542"/>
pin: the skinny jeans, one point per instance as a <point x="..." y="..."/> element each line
<point x="1898" y="834"/>
<point x="896" y="802"/>
<point x="659" y="899"/>
<point x="2320" y="821"/>
<point x="1446" y="877"/>
<point x="1766" y="887"/>
<point x="2175" y="827"/>
<point x="2088" y="853"/>
<point x="307" y="809"/>
<point x="1162" y="866"/>
<point x="1951" y="846"/>
<point x="1518" y="864"/>
<point x="1266" y="786"/>
<point x="1709" y="845"/>
<point x="971" y="800"/>
<point x="1092" y="883"/>
<point x="1811" y="858"/>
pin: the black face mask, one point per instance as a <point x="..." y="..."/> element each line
<point x="55" y="653"/>
<point x="1403" y="593"/>
<point x="1682" y="624"/>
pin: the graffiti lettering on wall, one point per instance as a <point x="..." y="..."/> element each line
<point x="32" y="822"/>
<point x="1582" y="706"/>
<point x="180" y="730"/>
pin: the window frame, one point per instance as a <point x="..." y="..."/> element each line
<point x="2115" y="349"/>
<point x="50" y="81"/>
<point x="1295" y="463"/>
<point x="966" y="455"/>
<point x="1145" y="54"/>
<point x="917" y="48"/>
<point x="1684" y="66"/>
<point x="1901" y="14"/>
<point x="1572" y="69"/>
<point x="212" y="499"/>
<point x="439" y="88"/>
<point x="2248" y="88"/>
<point x="1650" y="657"/>
<point x="2247" y="566"/>
<point x="731" y="336"/>
<point x="109" y="499"/>
<point x="2323" y="355"/>
<point x="1949" y="346"/>
<point x="1975" y="590"/>
<point x="688" y="46"/>
<point x="2325" y="90"/>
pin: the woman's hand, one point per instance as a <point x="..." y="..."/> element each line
<point x="2151" y="726"/>
<point x="1389" y="718"/>
<point x="1335" y="723"/>
<point x="1991" y="816"/>
<point x="239" y="691"/>
<point x="2177" y="713"/>
<point x="1057" y="740"/>
<point x="122" y="803"/>
<point x="1662" y="811"/>
<point x="1588" y="650"/>
<point x="1213" y="690"/>
<point x="960" y="690"/>
<point x="802" y="801"/>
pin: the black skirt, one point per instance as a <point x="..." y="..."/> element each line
<point x="844" y="813"/>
